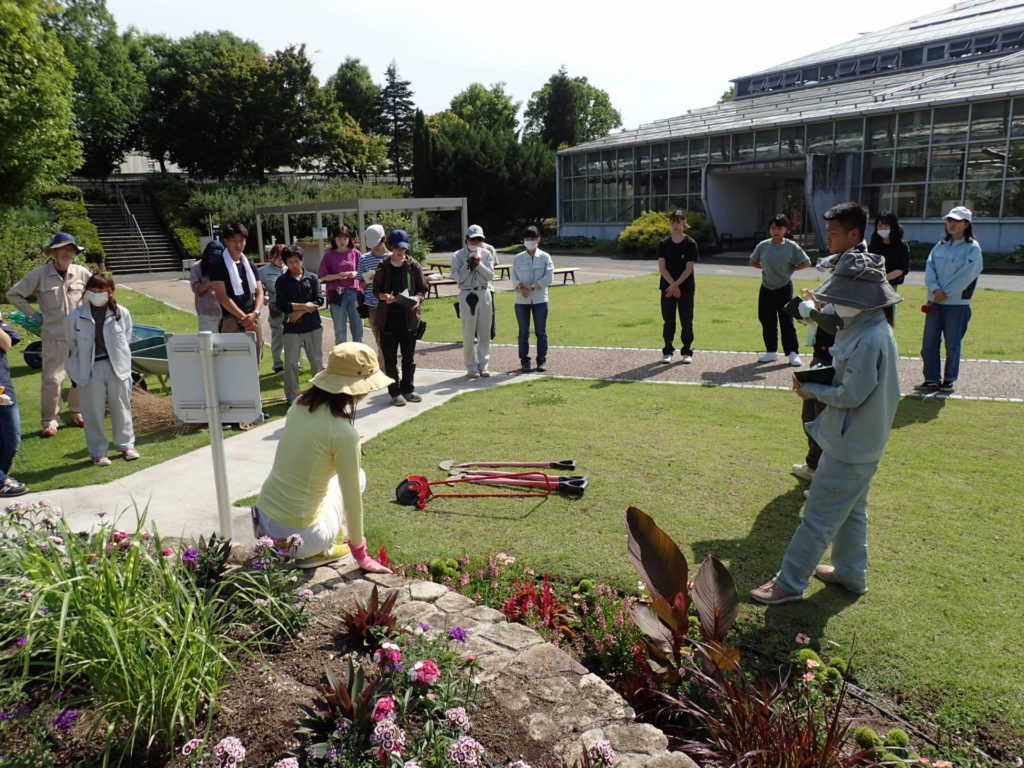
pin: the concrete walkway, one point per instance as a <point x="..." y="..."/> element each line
<point x="179" y="494"/>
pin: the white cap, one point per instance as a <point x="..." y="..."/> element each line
<point x="960" y="214"/>
<point x="372" y="235"/>
<point x="475" y="230"/>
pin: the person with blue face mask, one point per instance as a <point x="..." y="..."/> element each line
<point x="852" y="430"/>
<point x="531" y="275"/>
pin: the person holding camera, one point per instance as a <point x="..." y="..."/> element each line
<point x="339" y="271"/>
<point x="473" y="270"/>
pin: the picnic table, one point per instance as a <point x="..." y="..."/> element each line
<point x="502" y="270"/>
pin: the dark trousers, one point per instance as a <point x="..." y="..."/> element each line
<point x="10" y="437"/>
<point x="539" y="313"/>
<point x="391" y="341"/>
<point x="808" y="413"/>
<point x="683" y="306"/>
<point x="770" y="304"/>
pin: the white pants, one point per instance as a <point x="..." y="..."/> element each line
<point x="323" y="534"/>
<point x="105" y="387"/>
<point x="294" y="343"/>
<point x="476" y="329"/>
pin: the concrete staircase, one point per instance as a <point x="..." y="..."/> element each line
<point x="123" y="244"/>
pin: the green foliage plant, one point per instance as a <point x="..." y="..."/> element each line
<point x="68" y="206"/>
<point x="642" y="235"/>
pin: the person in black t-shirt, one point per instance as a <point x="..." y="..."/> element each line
<point x="888" y="243"/>
<point x="676" y="256"/>
<point x="239" y="289"/>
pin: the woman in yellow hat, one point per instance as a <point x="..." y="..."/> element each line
<point x="315" y="486"/>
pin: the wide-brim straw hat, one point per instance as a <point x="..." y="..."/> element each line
<point x="858" y="280"/>
<point x="352" y="368"/>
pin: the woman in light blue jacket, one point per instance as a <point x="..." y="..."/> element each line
<point x="531" y="275"/>
<point x="98" y="334"/>
<point x="950" y="274"/>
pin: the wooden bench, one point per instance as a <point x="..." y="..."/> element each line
<point x="440" y="266"/>
<point x="434" y="285"/>
<point x="501" y="270"/>
<point x="566" y="273"/>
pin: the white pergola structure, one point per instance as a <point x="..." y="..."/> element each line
<point x="360" y="208"/>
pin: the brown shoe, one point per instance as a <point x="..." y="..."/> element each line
<point x="827" y="574"/>
<point x="772" y="594"/>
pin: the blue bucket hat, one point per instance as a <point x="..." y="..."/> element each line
<point x="60" y="240"/>
<point x="398" y="238"/>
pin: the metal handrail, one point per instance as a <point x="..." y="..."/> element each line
<point x="132" y="223"/>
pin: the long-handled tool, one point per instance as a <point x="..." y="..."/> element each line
<point x="448" y="464"/>
<point x="572" y="485"/>
<point x="416" y="491"/>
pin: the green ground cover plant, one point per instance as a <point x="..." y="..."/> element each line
<point x="124" y="641"/>
<point x="63" y="461"/>
<point x="712" y="468"/>
<point x="626" y="313"/>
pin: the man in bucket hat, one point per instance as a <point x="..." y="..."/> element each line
<point x="473" y="270"/>
<point x="58" y="287"/>
<point x="852" y="430"/>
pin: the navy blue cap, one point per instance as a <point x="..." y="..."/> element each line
<point x="61" y="239"/>
<point x="398" y="238"/>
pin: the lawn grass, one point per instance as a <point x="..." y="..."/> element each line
<point x="941" y="624"/>
<point x="626" y="313"/>
<point x="63" y="461"/>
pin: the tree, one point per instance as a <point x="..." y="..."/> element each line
<point x="568" y="111"/>
<point x="397" y="120"/>
<point x="727" y="95"/>
<point x="345" y="149"/>
<point x="37" y="137"/>
<point x="491" y="107"/>
<point x="109" y="90"/>
<point x="354" y="91"/>
<point x="152" y="56"/>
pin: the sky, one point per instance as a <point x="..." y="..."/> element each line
<point x="656" y="59"/>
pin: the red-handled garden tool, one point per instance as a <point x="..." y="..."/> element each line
<point x="573" y="485"/>
<point x="449" y="464"/>
<point x="416" y="491"/>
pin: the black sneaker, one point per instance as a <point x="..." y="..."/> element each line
<point x="541" y="366"/>
<point x="412" y="397"/>
<point x="278" y="369"/>
<point x="11" y="487"/>
<point x="928" y="386"/>
<point x="525" y="368"/>
<point x="946" y="386"/>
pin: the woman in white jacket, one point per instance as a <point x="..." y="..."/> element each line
<point x="98" y="333"/>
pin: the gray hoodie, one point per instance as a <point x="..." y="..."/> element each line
<point x="864" y="394"/>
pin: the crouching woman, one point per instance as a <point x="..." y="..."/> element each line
<point x="100" y="363"/>
<point x="315" y="486"/>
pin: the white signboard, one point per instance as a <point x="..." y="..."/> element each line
<point x="235" y="375"/>
<point x="319" y="233"/>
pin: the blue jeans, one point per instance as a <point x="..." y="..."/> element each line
<point x="836" y="512"/>
<point x="949" y="323"/>
<point x="347" y="313"/>
<point x="540" y="328"/>
<point x="10" y="437"/>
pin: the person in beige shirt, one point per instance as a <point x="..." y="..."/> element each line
<point x="58" y="287"/>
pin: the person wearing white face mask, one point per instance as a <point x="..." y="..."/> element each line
<point x="473" y="270"/>
<point x="531" y="275"/>
<point x="888" y="243"/>
<point x="99" y="333"/>
<point x="852" y="430"/>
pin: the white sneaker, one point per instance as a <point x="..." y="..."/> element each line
<point x="803" y="472"/>
<point x="768" y="357"/>
<point x="666" y="359"/>
<point x="794" y="360"/>
<point x="687" y="359"/>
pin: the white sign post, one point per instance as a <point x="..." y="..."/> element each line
<point x="214" y="377"/>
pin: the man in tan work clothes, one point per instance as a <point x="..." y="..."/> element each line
<point x="58" y="286"/>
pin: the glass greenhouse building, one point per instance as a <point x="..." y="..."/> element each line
<point x="915" y="119"/>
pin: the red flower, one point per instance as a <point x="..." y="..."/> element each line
<point x="926" y="308"/>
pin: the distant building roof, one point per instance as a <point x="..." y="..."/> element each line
<point x="962" y="19"/>
<point x="953" y="83"/>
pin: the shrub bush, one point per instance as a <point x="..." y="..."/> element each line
<point x="71" y="215"/>
<point x="23" y="233"/>
<point x="641" y="238"/>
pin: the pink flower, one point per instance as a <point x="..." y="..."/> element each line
<point x="802" y="639"/>
<point x="465" y="752"/>
<point x="812" y="663"/>
<point x="388" y="656"/>
<point x="601" y="750"/>
<point x="425" y="672"/>
<point x="808" y="677"/>
<point x="384" y="709"/>
<point x="504" y="559"/>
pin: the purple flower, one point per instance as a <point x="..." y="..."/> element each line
<point x="458" y="634"/>
<point x="287" y="762"/>
<point x="457" y="719"/>
<point x="190" y="555"/>
<point x="305" y="594"/>
<point x="21" y="641"/>
<point x="425" y="627"/>
<point x="258" y="565"/>
<point x="231" y="748"/>
<point x="44" y="610"/>
<point x="63" y="721"/>
<point x="264" y="542"/>
<point x="190" y="746"/>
